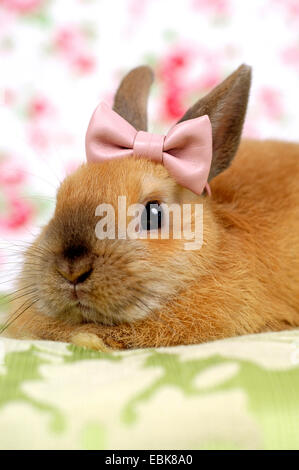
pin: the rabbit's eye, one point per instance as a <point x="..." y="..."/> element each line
<point x="151" y="218"/>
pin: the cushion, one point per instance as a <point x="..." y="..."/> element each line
<point x="239" y="393"/>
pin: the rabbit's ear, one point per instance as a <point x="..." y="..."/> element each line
<point x="226" y="107"/>
<point x="131" y="97"/>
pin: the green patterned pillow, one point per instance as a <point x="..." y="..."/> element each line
<point x="239" y="393"/>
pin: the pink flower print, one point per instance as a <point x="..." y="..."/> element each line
<point x="9" y="97"/>
<point x="72" y="44"/>
<point x="271" y="103"/>
<point x="173" y="65"/>
<point x="290" y="6"/>
<point x="84" y="63"/>
<point x="250" y="129"/>
<point x="39" y="107"/>
<point x="15" y="211"/>
<point x="68" y="39"/>
<point x="209" y="79"/>
<point x="291" y="55"/>
<point x="39" y="137"/>
<point x="137" y="8"/>
<point x="19" y="213"/>
<point x="22" y="6"/>
<point x="293" y="6"/>
<point x="7" y="19"/>
<point x="178" y="87"/>
<point x="219" y="7"/>
<point x="11" y="174"/>
<point x="170" y="73"/>
<point x="71" y="167"/>
<point x="172" y="106"/>
<point x="41" y="114"/>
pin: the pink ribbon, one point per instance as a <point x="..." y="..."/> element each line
<point x="186" y="151"/>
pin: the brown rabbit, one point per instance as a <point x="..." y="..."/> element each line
<point x="151" y="292"/>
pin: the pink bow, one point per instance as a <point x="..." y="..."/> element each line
<point x="186" y="151"/>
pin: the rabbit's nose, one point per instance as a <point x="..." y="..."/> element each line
<point x="75" y="272"/>
<point x="76" y="277"/>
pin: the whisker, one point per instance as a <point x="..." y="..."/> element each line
<point x="40" y="178"/>
<point x="18" y="297"/>
<point x="10" y="321"/>
<point x="32" y="248"/>
<point x="16" y="291"/>
<point x="8" y="280"/>
<point x="24" y="263"/>
<point x="37" y="196"/>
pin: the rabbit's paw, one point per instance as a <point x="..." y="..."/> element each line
<point x="90" y="341"/>
<point x="95" y="340"/>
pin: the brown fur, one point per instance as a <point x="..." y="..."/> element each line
<point x="131" y="98"/>
<point x="144" y="293"/>
<point x="226" y="107"/>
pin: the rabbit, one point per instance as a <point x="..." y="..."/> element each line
<point x="139" y="293"/>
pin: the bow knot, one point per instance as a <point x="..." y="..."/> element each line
<point x="149" y="146"/>
<point x="186" y="151"/>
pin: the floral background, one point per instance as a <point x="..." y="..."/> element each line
<point x="59" y="58"/>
